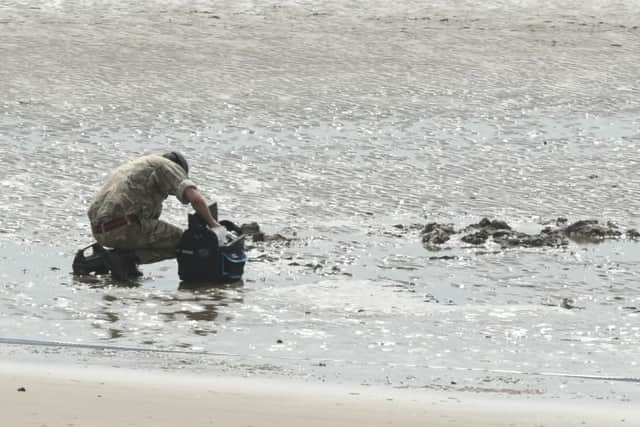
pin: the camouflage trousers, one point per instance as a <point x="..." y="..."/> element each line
<point x="150" y="240"/>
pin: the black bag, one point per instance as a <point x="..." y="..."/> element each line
<point x="202" y="259"/>
<point x="95" y="262"/>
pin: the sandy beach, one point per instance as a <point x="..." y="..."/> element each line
<point x="38" y="395"/>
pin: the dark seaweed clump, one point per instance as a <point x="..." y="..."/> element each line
<point x="434" y="235"/>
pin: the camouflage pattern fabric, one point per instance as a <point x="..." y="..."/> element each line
<point x="150" y="240"/>
<point x="137" y="189"/>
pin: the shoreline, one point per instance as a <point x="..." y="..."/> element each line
<point x="92" y="396"/>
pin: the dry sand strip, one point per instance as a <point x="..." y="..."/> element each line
<point x="36" y="395"/>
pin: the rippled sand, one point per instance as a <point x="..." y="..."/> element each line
<point x="331" y="122"/>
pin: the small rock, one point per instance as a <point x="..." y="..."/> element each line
<point x="569" y="304"/>
<point x="633" y="234"/>
<point x="590" y="230"/>
<point x="443" y="257"/>
<point x="276" y="238"/>
<point x="495" y="224"/>
<point x="22" y="389"/>
<point x="434" y="234"/>
<point x="250" y="229"/>
<point x="258" y="236"/>
<point x="546" y="238"/>
<point x="478" y="238"/>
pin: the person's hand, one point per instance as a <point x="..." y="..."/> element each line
<point x="224" y="235"/>
<point x="231" y="236"/>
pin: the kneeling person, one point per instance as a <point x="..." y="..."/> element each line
<point x="125" y="213"/>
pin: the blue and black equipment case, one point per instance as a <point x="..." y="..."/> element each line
<point x="202" y="259"/>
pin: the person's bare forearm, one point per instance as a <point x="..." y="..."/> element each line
<point x="199" y="204"/>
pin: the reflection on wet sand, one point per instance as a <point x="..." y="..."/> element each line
<point x="197" y="302"/>
<point x="208" y="297"/>
<point x="94" y="281"/>
<point x="199" y="287"/>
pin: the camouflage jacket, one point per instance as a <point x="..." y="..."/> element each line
<point x="138" y="188"/>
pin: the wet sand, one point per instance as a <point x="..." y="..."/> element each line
<point x="39" y="395"/>
<point x="348" y="125"/>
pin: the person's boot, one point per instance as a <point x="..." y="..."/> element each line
<point x="118" y="265"/>
<point x="123" y="265"/>
<point x="132" y="265"/>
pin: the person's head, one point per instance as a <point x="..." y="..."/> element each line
<point x="178" y="158"/>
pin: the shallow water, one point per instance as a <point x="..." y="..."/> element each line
<point x="331" y="122"/>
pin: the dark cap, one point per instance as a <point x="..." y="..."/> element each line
<point x="178" y="158"/>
